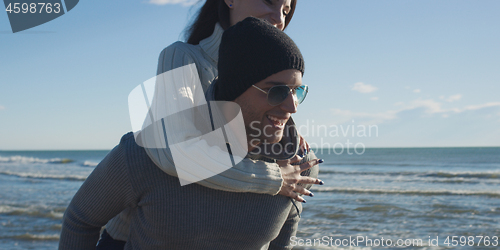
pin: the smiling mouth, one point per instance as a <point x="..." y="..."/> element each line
<point x="277" y="122"/>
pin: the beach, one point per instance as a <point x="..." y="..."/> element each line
<point x="416" y="197"/>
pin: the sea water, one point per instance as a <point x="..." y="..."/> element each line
<point x="413" y="198"/>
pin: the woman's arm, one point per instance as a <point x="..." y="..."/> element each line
<point x="104" y="194"/>
<point x="246" y="176"/>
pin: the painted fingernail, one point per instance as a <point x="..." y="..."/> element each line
<point x="321" y="183"/>
<point x="304" y="201"/>
<point x="311" y="194"/>
<point x="301" y="156"/>
<point x="321" y="160"/>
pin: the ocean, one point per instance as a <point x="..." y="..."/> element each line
<point x="387" y="198"/>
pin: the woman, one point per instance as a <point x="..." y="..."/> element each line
<point x="165" y="215"/>
<point x="202" y="49"/>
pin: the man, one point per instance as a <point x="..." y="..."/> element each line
<point x="265" y="80"/>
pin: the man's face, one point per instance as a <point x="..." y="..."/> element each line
<point x="265" y="123"/>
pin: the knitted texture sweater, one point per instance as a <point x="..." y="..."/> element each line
<point x="166" y="215"/>
<point x="246" y="176"/>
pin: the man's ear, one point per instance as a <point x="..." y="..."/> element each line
<point x="229" y="3"/>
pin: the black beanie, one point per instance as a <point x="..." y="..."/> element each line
<point x="251" y="51"/>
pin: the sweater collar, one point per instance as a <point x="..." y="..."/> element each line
<point x="211" y="44"/>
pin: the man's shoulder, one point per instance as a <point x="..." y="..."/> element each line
<point x="137" y="159"/>
<point x="129" y="145"/>
<point x="127" y="138"/>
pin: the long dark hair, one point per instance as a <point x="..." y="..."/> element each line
<point x="214" y="11"/>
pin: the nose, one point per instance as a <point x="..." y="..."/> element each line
<point x="290" y="104"/>
<point x="277" y="17"/>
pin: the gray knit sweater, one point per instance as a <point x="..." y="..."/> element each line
<point x="247" y="176"/>
<point x="165" y="215"/>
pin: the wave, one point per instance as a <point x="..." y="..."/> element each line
<point x="410" y="164"/>
<point x="381" y="208"/>
<point x="90" y="164"/>
<point x="25" y="159"/>
<point x="321" y="171"/>
<point x="477" y="175"/>
<point x="29" y="237"/>
<point x="375" y="164"/>
<point x="33" y="211"/>
<point x="406" y="192"/>
<point x="45" y="176"/>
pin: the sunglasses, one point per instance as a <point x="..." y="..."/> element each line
<point x="278" y="94"/>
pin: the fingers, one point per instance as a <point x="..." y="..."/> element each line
<point x="288" y="190"/>
<point x="310" y="180"/>
<point x="303" y="191"/>
<point x="292" y="189"/>
<point x="309" y="164"/>
<point x="293" y="192"/>
<point x="303" y="144"/>
<point x="291" y="178"/>
<point x="298" y="198"/>
<point x="295" y="159"/>
<point x="298" y="158"/>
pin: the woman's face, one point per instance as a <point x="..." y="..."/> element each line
<point x="273" y="11"/>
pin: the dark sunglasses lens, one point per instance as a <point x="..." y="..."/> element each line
<point x="278" y="94"/>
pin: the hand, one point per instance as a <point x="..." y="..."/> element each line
<point x="304" y="146"/>
<point x="291" y="177"/>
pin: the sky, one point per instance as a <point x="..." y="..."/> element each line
<point x="386" y="73"/>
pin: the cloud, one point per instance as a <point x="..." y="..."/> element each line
<point x="374" y="98"/>
<point x="183" y="2"/>
<point x="428" y="106"/>
<point x="425" y="122"/>
<point x="342" y="116"/>
<point x="432" y="107"/>
<point x="454" y="98"/>
<point x="481" y="106"/>
<point x="416" y="91"/>
<point x="363" y="88"/>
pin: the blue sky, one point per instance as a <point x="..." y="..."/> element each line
<point x="423" y="73"/>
